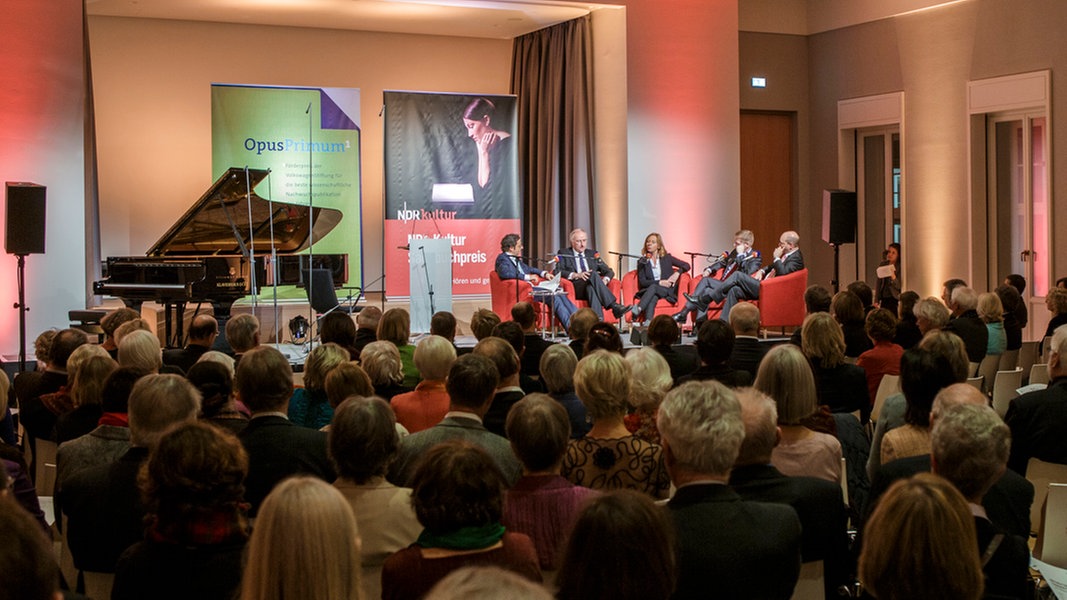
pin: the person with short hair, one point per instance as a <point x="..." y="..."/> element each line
<point x="337" y="327"/>
<point x="748" y="351"/>
<point x="581" y="322"/>
<point x="534" y="345"/>
<point x="242" y="334"/>
<point x="34" y="415"/>
<point x="737" y="548"/>
<point x="395" y="327"/>
<point x="817" y="299"/>
<point x="930" y="314"/>
<point x="1056" y="302"/>
<point x="558" y="364"/>
<point x="140" y="349"/>
<point x="966" y="323"/>
<point x="443" y="323"/>
<point x="848" y="310"/>
<point x="907" y="334"/>
<point x="508" y="391"/>
<point x="864" y="292"/>
<point x="309" y="406"/>
<point x="1014" y="320"/>
<point x="428" y="403"/>
<point x="487" y="583"/>
<point x="381" y="360"/>
<point x="511" y="265"/>
<point x="110" y="324"/>
<point x="483" y="321"/>
<point x="884" y="357"/>
<point x="366" y="328"/>
<point x="589" y="274"/>
<point x="715" y="343"/>
<point x="991" y="311"/>
<point x="347" y="379"/>
<point x="651" y="380"/>
<point x="203" y="330"/>
<point x="663" y="333"/>
<point x="1037" y="419"/>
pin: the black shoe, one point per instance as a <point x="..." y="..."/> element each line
<point x="620" y="309"/>
<point x="681" y="317"/>
<point x="690" y="298"/>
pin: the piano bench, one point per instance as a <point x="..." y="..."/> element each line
<point x="88" y="321"/>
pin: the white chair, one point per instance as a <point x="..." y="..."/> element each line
<point x="988" y="370"/>
<point x="1051" y="545"/>
<point x="973" y="366"/>
<point x="1027" y="357"/>
<point x="810" y="585"/>
<point x="1045" y="345"/>
<point x="1004" y="385"/>
<point x="98" y="585"/>
<point x="890" y="385"/>
<point x="1041" y="474"/>
<point x="1039" y="373"/>
<point x="1009" y="360"/>
<point x="976" y="382"/>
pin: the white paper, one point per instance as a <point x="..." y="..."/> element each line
<point x="886" y="271"/>
<point x="1033" y="387"/>
<point x="1055" y="576"/>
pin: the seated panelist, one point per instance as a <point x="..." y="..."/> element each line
<point x="510" y="265"/>
<point x="657" y="277"/>
<point x="589" y="274"/>
<point x="742" y="260"/>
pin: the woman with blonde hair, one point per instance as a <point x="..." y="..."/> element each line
<point x="87" y="393"/>
<point x="658" y="274"/>
<point x="381" y="360"/>
<point x="841" y="386"/>
<point x="920" y="542"/>
<point x="991" y="311"/>
<point x="651" y="382"/>
<point x="785" y="375"/>
<point x="395" y="327"/>
<point x="309" y="406"/>
<point x="62" y="402"/>
<point x="305" y="545"/>
<point x="609" y="456"/>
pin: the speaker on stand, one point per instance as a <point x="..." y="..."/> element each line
<point x="24" y="235"/>
<point x="838" y="224"/>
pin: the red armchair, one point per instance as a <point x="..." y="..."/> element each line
<point x="782" y="300"/>
<point x="663" y="307"/>
<point x="505" y="293"/>
<point x="614" y="285"/>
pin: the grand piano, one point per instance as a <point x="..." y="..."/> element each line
<point x="206" y="256"/>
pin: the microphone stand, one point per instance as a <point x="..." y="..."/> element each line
<point x="429" y="285"/>
<point x="693" y="260"/>
<point x="622" y="255"/>
<point x="22" y="308"/>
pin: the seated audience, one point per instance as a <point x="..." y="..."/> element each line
<point x="309" y="406"/>
<point x="1037" y="419"/>
<point x="785" y="376"/>
<point x="622" y="547"/>
<point x="525" y="315"/>
<point x="966" y="323"/>
<point x="338" y="328"/>
<point x="242" y="334"/>
<point x="458" y="498"/>
<point x="542" y="504"/>
<point x="366" y="328"/>
<point x="609" y="456"/>
<point x="603" y="336"/>
<point x="486" y="583"/>
<point x="907" y="334"/>
<point x="748" y="351"/>
<point x="865" y="293"/>
<point x="428" y="403"/>
<point x="362" y="443"/>
<point x="140" y="349"/>
<point x="848" y="310"/>
<point x="305" y="545"/>
<point x="884" y="357"/>
<point x="483" y="321"/>
<point x="35" y="416"/>
<point x="841" y="386"/>
<point x="508" y="391"/>
<point x="817" y="299"/>
<point x="714" y="344"/>
<point x="920" y="542"/>
<point x="217" y="403"/>
<point x="1015" y="318"/>
<point x="347" y="379"/>
<point x="86" y="392"/>
<point x="650" y="382"/>
<point x="662" y="335"/>
<point x="1056" y="301"/>
<point x="110" y="324"/>
<point x="558" y="364"/>
<point x="192" y="487"/>
<point x="222" y="358"/>
<point x="737" y="548"/>
<point x="578" y="330"/>
<point x="30" y="571"/>
<point x="443" y="323"/>
<point x="922" y="375"/>
<point x="512" y="332"/>
<point x="991" y="311"/>
<point x="381" y="360"/>
<point x="395" y="327"/>
<point x="203" y="330"/>
<point x="129" y="327"/>
<point x="930" y="314"/>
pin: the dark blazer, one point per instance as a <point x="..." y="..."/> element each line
<point x="498" y="411"/>
<point x="682" y="360"/>
<point x="36" y="418"/>
<point x="1008" y="570"/>
<point x="792" y="263"/>
<point x="1038" y="422"/>
<point x="748" y="265"/>
<point x="1007" y="503"/>
<point x="667" y="265"/>
<point x="168" y="571"/>
<point x="973" y="332"/>
<point x="184" y="358"/>
<point x="843" y="388"/>
<point x="452" y="428"/>
<point x="278" y="449"/>
<point x="722" y="373"/>
<point x="568" y="264"/>
<point x="729" y="548"/>
<point x="748" y="353"/>
<point x="819" y="506"/>
<point x="364" y="336"/>
<point x="531" y="357"/>
<point x="507" y="268"/>
<point x="103" y="505"/>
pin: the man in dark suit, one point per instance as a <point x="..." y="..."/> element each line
<point x="589" y="274"/>
<point x="103" y="503"/>
<point x="35" y="416"/>
<point x="742" y="261"/>
<point x="970" y="445"/>
<point x="748" y="352"/>
<point x="510" y="265"/>
<point x="1038" y="420"/>
<point x="533" y="344"/>
<point x="471" y="383"/>
<point x="202" y="333"/>
<point x="966" y="323"/>
<point x="366" y="327"/>
<point x="663" y="335"/>
<point x="276" y="447"/>
<point x="508" y="391"/>
<point x="727" y="547"/>
<point x="715" y="342"/>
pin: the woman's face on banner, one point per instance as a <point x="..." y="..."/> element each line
<point x="476" y="129"/>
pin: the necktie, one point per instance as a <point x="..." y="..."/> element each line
<point x="732" y="267"/>
<point x="581" y="262"/>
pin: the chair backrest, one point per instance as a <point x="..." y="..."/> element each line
<point x="98" y="585"/>
<point x="1039" y="373"/>
<point x="810" y="584"/>
<point x="1009" y="360"/>
<point x="44" y="460"/>
<point x="890" y="385"/>
<point x="506" y="292"/>
<point x="976" y="381"/>
<point x="1027" y="357"/>
<point x="1041" y="474"/>
<point x="988" y="370"/>
<point x="1051" y="546"/>
<point x="320" y="290"/>
<point x="1004" y="386"/>
<point x="782" y="300"/>
<point x="1045" y="346"/>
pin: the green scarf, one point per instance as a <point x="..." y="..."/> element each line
<point x="465" y="538"/>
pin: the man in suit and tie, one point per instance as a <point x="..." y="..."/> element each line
<point x="510" y="265"/>
<point x="471" y="385"/>
<point x="589" y="274"/>
<point x="741" y="261"/>
<point x="726" y="545"/>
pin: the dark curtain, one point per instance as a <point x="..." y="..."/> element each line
<point x="552" y="75"/>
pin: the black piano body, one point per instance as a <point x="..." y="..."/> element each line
<point x="206" y="256"/>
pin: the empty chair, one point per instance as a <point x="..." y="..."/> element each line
<point x="988" y="370"/>
<point x="1041" y="474"/>
<point x="1051" y="546"/>
<point x="44" y="461"/>
<point x="1039" y="373"/>
<point x="1009" y="360"/>
<point x="1004" y="385"/>
<point x="1027" y="357"/>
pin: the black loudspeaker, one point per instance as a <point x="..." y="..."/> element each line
<point x="838" y="217"/>
<point x="25" y="218"/>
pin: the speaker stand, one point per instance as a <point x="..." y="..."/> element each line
<point x="22" y="308"/>
<point x="837" y="266"/>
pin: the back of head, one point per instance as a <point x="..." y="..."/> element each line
<point x="951" y="284"/>
<point x="785" y="375"/>
<point x="539" y="429"/>
<point x="482" y="323"/>
<point x="558" y="363"/>
<point x="221" y="358"/>
<point x="664" y="331"/>
<point x="457" y="484"/>
<point x="42" y="346"/>
<point x="881" y="325"/>
<point x="650" y="377"/>
<point x="30" y="571"/>
<point x="847" y="307"/>
<point x="817" y="299"/>
<point x="116" y="318"/>
<point x="970" y="446"/>
<point x="140" y="349"/>
<point x="443" y="323"/>
<point x="512" y="332"/>
<point x="242" y="332"/>
<point x="1010" y="299"/>
<point x="157" y="403"/>
<point x="933" y="311"/>
<point x="700" y="423"/>
<point x="347" y="379"/>
<point x="957" y="394"/>
<point x="63" y="345"/>
<point x="602" y="381"/>
<point x="321" y="360"/>
<point x="305" y="544"/>
<point x="990" y="308"/>
<point x="922" y="375"/>
<point x="863" y="291"/>
<point x="715" y="342"/>
<point x="906" y="308"/>
<point x="338" y="328"/>
<point x="603" y="336"/>
<point x="744" y="319"/>
<point x="1056" y="299"/>
<point x="395" y="326"/>
<point x="823" y="340"/>
<point x="203" y="327"/>
<point x="381" y="361"/>
<point x="949" y="346"/>
<point x="472" y="381"/>
<point x="368" y="318"/>
<point x="1017" y="281"/>
<point x="621" y="546"/>
<point x="362" y="439"/>
<point x="129" y="327"/>
<point x="920" y="543"/>
<point x="581" y="322"/>
<point x="503" y="355"/>
<point x="215" y="384"/>
<point x="87" y="385"/>
<point x="965" y="298"/>
<point x="81" y="355"/>
<point x="760" y="416"/>
<point x="433" y="357"/>
<point x="117" y="388"/>
<point x="523" y="313"/>
<point x="264" y="380"/>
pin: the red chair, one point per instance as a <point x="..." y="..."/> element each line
<point x="663" y="306"/>
<point x="614" y="285"/>
<point x="505" y="293"/>
<point x="714" y="308"/>
<point x="782" y="300"/>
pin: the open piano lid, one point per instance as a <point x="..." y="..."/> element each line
<point x="208" y="227"/>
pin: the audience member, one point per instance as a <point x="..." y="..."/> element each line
<point x="948" y="287"/>
<point x="622" y="547"/>
<point x="366" y="328"/>
<point x="1014" y="321"/>
<point x="508" y="392"/>
<point x="1056" y="301"/>
<point x="748" y="351"/>
<point x="458" y="498"/>
<point x="558" y="364"/>
<point x="738" y="549"/>
<point x="991" y="311"/>
<point x="110" y="323"/>
<point x="381" y="360"/>
<point x="578" y="330"/>
<point x="428" y="404"/>
<point x="217" y="403"/>
<point x="362" y="443"/>
<point x="86" y="392"/>
<point x="841" y="386"/>
<point x="337" y="327"/>
<point x="443" y="323"/>
<point x="486" y="583"/>
<point x="203" y="330"/>
<point x="930" y="314"/>
<point x="849" y="311"/>
<point x="785" y="376"/>
<point x="483" y="321"/>
<point x="884" y="357"/>
<point x="277" y="448"/>
<point x="966" y="323"/>
<point x="907" y="334"/>
<point x="922" y="375"/>
<point x="192" y="487"/>
<point x="395" y="327"/>
<point x="816" y="299"/>
<point x="542" y="504"/>
<point x="865" y="293"/>
<point x="140" y="350"/>
<point x="603" y="336"/>
<point x="221" y="358"/>
<point x="609" y="456"/>
<point x="512" y="333"/>
<point x="30" y="571"/>
<point x="662" y="336"/>
<point x="1038" y="420"/>
<point x="715" y="343"/>
<point x="129" y="327"/>
<point x="242" y="334"/>
<point x="309" y="406"/>
<point x="15" y="482"/>
<point x="650" y="382"/>
<point x="888" y="292"/>
<point x="920" y="542"/>
<point x="347" y="379"/>
<point x="34" y="415"/>
<point x="525" y="315"/>
<point x="470" y="384"/>
<point x="305" y="545"/>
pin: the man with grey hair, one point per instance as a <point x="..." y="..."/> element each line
<point x="103" y="503"/>
<point x="590" y="275"/>
<point x="970" y="446"/>
<point x="1007" y="502"/>
<point x="1038" y="420"/>
<point x="737" y="548"/>
<point x="748" y="352"/>
<point x="242" y="334"/>
<point x="966" y="323"/>
<point x="818" y="502"/>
